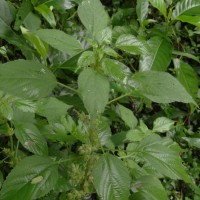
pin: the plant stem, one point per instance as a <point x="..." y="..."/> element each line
<point x="118" y="98"/>
<point x="67" y="87"/>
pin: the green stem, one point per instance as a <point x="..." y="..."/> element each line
<point x="118" y="98"/>
<point x="67" y="87"/>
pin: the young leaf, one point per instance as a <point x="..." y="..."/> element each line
<point x="60" y="40"/>
<point x="187" y="77"/>
<point x="31" y="138"/>
<point x="6" y="110"/>
<point x="160" y="5"/>
<point x="93" y="16"/>
<point x="150" y="188"/>
<point x="186" y="7"/>
<point x="111" y="178"/>
<point x="161" y="87"/>
<point x="94" y="90"/>
<point x="131" y="44"/>
<point x="142" y="9"/>
<point x="32" y="178"/>
<point x="162" y="124"/>
<point x="159" y="57"/>
<point x="127" y="116"/>
<point x="194" y="142"/>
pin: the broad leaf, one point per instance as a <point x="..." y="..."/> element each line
<point x="6" y="110"/>
<point x="127" y="116"/>
<point x="60" y="40"/>
<point x="160" y="5"/>
<point x="195" y="20"/>
<point x="31" y="138"/>
<point x="132" y="44"/>
<point x="148" y="188"/>
<point x="26" y="79"/>
<point x="111" y="178"/>
<point x="32" y="22"/>
<point x="86" y="59"/>
<point x="142" y="9"/>
<point x="94" y="91"/>
<point x="32" y="178"/>
<point x="194" y="142"/>
<point x="162" y="155"/>
<point x="186" y="7"/>
<point x="93" y="16"/>
<point x="159" y="56"/>
<point x="162" y="124"/>
<point x="161" y="87"/>
<point x="187" y="76"/>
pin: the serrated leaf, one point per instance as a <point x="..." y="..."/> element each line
<point x="195" y="20"/>
<point x="26" y="79"/>
<point x="94" y="90"/>
<point x="161" y="87"/>
<point x="163" y="156"/>
<point x="160" y="5"/>
<point x="148" y="188"/>
<point x="111" y="178"/>
<point x="60" y="40"/>
<point x="187" y="77"/>
<point x="159" y="56"/>
<point x="132" y="44"/>
<point x="142" y="9"/>
<point x="127" y="116"/>
<point x="31" y="138"/>
<point x="186" y="7"/>
<point x="93" y="16"/>
<point x="195" y="142"/>
<point x="86" y="59"/>
<point x="6" y="110"/>
<point x="162" y="124"/>
<point x="32" y="178"/>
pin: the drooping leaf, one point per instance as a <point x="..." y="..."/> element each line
<point x="163" y="156"/>
<point x="127" y="116"/>
<point x="148" y="188"/>
<point x="47" y="13"/>
<point x="60" y="40"/>
<point x="186" y="7"/>
<point x="26" y="79"/>
<point x="132" y="44"/>
<point x="94" y="91"/>
<point x="187" y="55"/>
<point x="32" y="178"/>
<point x="195" y="142"/>
<point x="142" y="9"/>
<point x="93" y="16"/>
<point x="159" y="56"/>
<point x="162" y="124"/>
<point x="187" y="77"/>
<point x="160" y="5"/>
<point x="195" y="20"/>
<point x="31" y="138"/>
<point x="111" y="178"/>
<point x="161" y="87"/>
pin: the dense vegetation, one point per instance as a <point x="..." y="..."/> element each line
<point x="99" y="99"/>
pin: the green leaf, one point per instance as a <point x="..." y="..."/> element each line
<point x="163" y="156"/>
<point x="195" y="142"/>
<point x="60" y="40"/>
<point x="162" y="124"/>
<point x="148" y="188"/>
<point x="195" y="20"/>
<point x="26" y="79"/>
<point x="93" y="16"/>
<point x="132" y="44"/>
<point x="117" y="70"/>
<point x="159" y="56"/>
<point x="7" y="12"/>
<point x="111" y="178"/>
<point x="32" y="22"/>
<point x="31" y="138"/>
<point x="160" y="5"/>
<point x="1" y="179"/>
<point x="185" y="54"/>
<point x="52" y="109"/>
<point x="32" y="178"/>
<point x="161" y="87"/>
<point x="186" y="7"/>
<point x="187" y="77"/>
<point x="127" y="116"/>
<point x="86" y="59"/>
<point x="94" y="90"/>
<point x="47" y="13"/>
<point x="142" y="9"/>
<point x="6" y="110"/>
